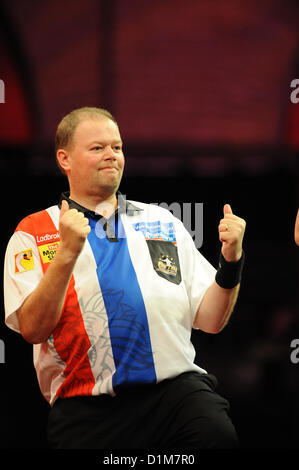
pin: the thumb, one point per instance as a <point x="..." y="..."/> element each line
<point x="227" y="209"/>
<point x="64" y="208"/>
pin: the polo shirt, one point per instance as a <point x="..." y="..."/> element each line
<point x="130" y="304"/>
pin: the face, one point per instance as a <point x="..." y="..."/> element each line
<point x="94" y="163"/>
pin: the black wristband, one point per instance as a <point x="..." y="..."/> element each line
<point x="229" y="274"/>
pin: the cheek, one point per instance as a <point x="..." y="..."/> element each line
<point x="121" y="162"/>
<point x="82" y="170"/>
<point x="88" y="164"/>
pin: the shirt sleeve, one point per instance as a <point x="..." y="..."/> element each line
<point x="22" y="273"/>
<point x="198" y="272"/>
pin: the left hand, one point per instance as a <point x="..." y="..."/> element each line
<point x="231" y="232"/>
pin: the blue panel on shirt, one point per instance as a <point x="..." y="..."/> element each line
<point x="127" y="319"/>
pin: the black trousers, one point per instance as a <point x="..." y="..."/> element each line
<point x="181" y="413"/>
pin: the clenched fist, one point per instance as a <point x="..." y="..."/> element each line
<point x="73" y="229"/>
<point x="231" y="232"/>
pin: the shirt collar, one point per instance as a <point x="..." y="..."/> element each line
<point x="124" y="206"/>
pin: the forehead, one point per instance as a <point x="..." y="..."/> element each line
<point x="98" y="128"/>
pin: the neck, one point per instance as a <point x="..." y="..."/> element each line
<point x="103" y="204"/>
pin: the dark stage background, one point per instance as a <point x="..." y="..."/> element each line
<point x="201" y="91"/>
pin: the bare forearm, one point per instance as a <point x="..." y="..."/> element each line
<point x="41" y="311"/>
<point x="216" y="308"/>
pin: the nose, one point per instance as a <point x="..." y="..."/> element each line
<point x="109" y="153"/>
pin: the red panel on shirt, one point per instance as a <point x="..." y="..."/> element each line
<point x="70" y="338"/>
<point x="72" y="344"/>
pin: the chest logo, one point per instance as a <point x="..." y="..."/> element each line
<point x="167" y="265"/>
<point x="48" y="244"/>
<point x="24" y="261"/>
<point x="48" y="251"/>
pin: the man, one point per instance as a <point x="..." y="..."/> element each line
<point x="108" y="291"/>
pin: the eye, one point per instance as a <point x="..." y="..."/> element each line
<point x="96" y="147"/>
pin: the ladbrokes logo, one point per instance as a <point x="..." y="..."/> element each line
<point x="47" y="237"/>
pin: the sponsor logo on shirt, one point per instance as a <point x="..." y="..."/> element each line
<point x="47" y="237"/>
<point x="167" y="265"/>
<point x="48" y="244"/>
<point x="47" y="251"/>
<point x="157" y="230"/>
<point x="24" y="261"/>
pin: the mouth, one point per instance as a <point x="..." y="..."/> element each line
<point x="109" y="168"/>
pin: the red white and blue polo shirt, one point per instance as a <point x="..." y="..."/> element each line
<point x="130" y="304"/>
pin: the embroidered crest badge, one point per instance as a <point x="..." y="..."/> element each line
<point x="24" y="261"/>
<point x="167" y="265"/>
<point x="165" y="260"/>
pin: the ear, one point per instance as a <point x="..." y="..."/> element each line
<point x="63" y="159"/>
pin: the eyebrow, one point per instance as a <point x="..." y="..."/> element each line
<point x="119" y="141"/>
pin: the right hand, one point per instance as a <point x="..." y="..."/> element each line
<point x="73" y="229"/>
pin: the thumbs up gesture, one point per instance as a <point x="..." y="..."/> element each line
<point x="231" y="232"/>
<point x="73" y="229"/>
